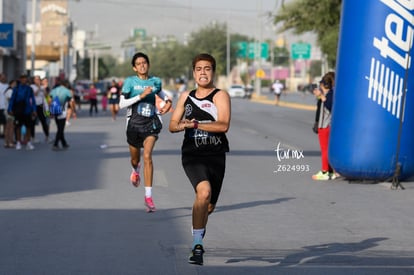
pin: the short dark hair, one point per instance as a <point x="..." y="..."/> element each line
<point x="64" y="82"/>
<point x="205" y="57"/>
<point x="137" y="55"/>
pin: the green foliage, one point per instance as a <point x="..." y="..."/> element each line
<point x="212" y="40"/>
<point x="122" y="69"/>
<point x="169" y="61"/>
<point x="319" y="16"/>
<point x="315" y="68"/>
<point x="280" y="56"/>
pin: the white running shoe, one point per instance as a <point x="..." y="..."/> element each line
<point x="29" y="146"/>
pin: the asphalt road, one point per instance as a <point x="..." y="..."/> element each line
<point x="75" y="211"/>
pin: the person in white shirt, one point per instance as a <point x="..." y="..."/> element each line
<point x="39" y="94"/>
<point x="9" y="134"/>
<point x="277" y="90"/>
<point x="3" y="87"/>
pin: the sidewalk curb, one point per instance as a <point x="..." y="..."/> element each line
<point x="264" y="100"/>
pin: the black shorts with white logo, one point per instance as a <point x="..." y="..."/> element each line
<point x="139" y="128"/>
<point x="209" y="168"/>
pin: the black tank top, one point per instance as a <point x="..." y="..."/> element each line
<point x="197" y="141"/>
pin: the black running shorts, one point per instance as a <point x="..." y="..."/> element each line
<point x="140" y="128"/>
<point x="136" y="139"/>
<point x="206" y="168"/>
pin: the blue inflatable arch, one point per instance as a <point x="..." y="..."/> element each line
<point x="372" y="128"/>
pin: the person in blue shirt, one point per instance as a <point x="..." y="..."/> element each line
<point x="23" y="107"/>
<point x="143" y="123"/>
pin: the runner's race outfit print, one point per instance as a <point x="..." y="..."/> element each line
<point x="142" y="115"/>
<point x="198" y="141"/>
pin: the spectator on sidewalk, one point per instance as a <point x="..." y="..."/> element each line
<point x="324" y="94"/>
<point x="9" y="134"/>
<point x="23" y="107"/>
<point x="40" y="97"/>
<point x="65" y="97"/>
<point x="93" y="99"/>
<point x="3" y="87"/>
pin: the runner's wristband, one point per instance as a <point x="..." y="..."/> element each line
<point x="195" y="124"/>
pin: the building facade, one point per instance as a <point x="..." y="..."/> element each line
<point x="13" y="18"/>
<point x="56" y="43"/>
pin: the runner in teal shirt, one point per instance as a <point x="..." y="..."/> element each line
<point x="143" y="124"/>
<point x="134" y="86"/>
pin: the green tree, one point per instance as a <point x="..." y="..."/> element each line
<point x="212" y="39"/>
<point x="319" y="16"/>
<point x="315" y="68"/>
<point x="109" y="64"/>
<point x="169" y="60"/>
<point x="123" y="69"/>
<point x="280" y="56"/>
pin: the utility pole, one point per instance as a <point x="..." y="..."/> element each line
<point x="258" y="45"/>
<point x="227" y="47"/>
<point x="32" y="48"/>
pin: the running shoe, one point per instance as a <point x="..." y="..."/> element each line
<point x="29" y="146"/>
<point x="149" y="204"/>
<point x="196" y="256"/>
<point x="332" y="176"/>
<point x="135" y="178"/>
<point x="18" y="146"/>
<point x="321" y="176"/>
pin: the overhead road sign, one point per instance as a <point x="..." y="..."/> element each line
<point x="301" y="51"/>
<point x="253" y="50"/>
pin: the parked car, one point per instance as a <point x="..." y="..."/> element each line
<point x="237" y="90"/>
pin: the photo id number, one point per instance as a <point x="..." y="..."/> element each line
<point x="291" y="168"/>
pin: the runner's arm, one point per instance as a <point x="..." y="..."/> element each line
<point x="176" y="122"/>
<point x="128" y="102"/>
<point x="163" y="95"/>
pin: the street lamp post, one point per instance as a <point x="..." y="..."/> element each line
<point x="227" y="47"/>
<point x="258" y="81"/>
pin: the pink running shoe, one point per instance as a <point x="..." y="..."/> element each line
<point x="149" y="204"/>
<point x="135" y="178"/>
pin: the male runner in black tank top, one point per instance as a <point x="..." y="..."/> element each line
<point x="204" y="114"/>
